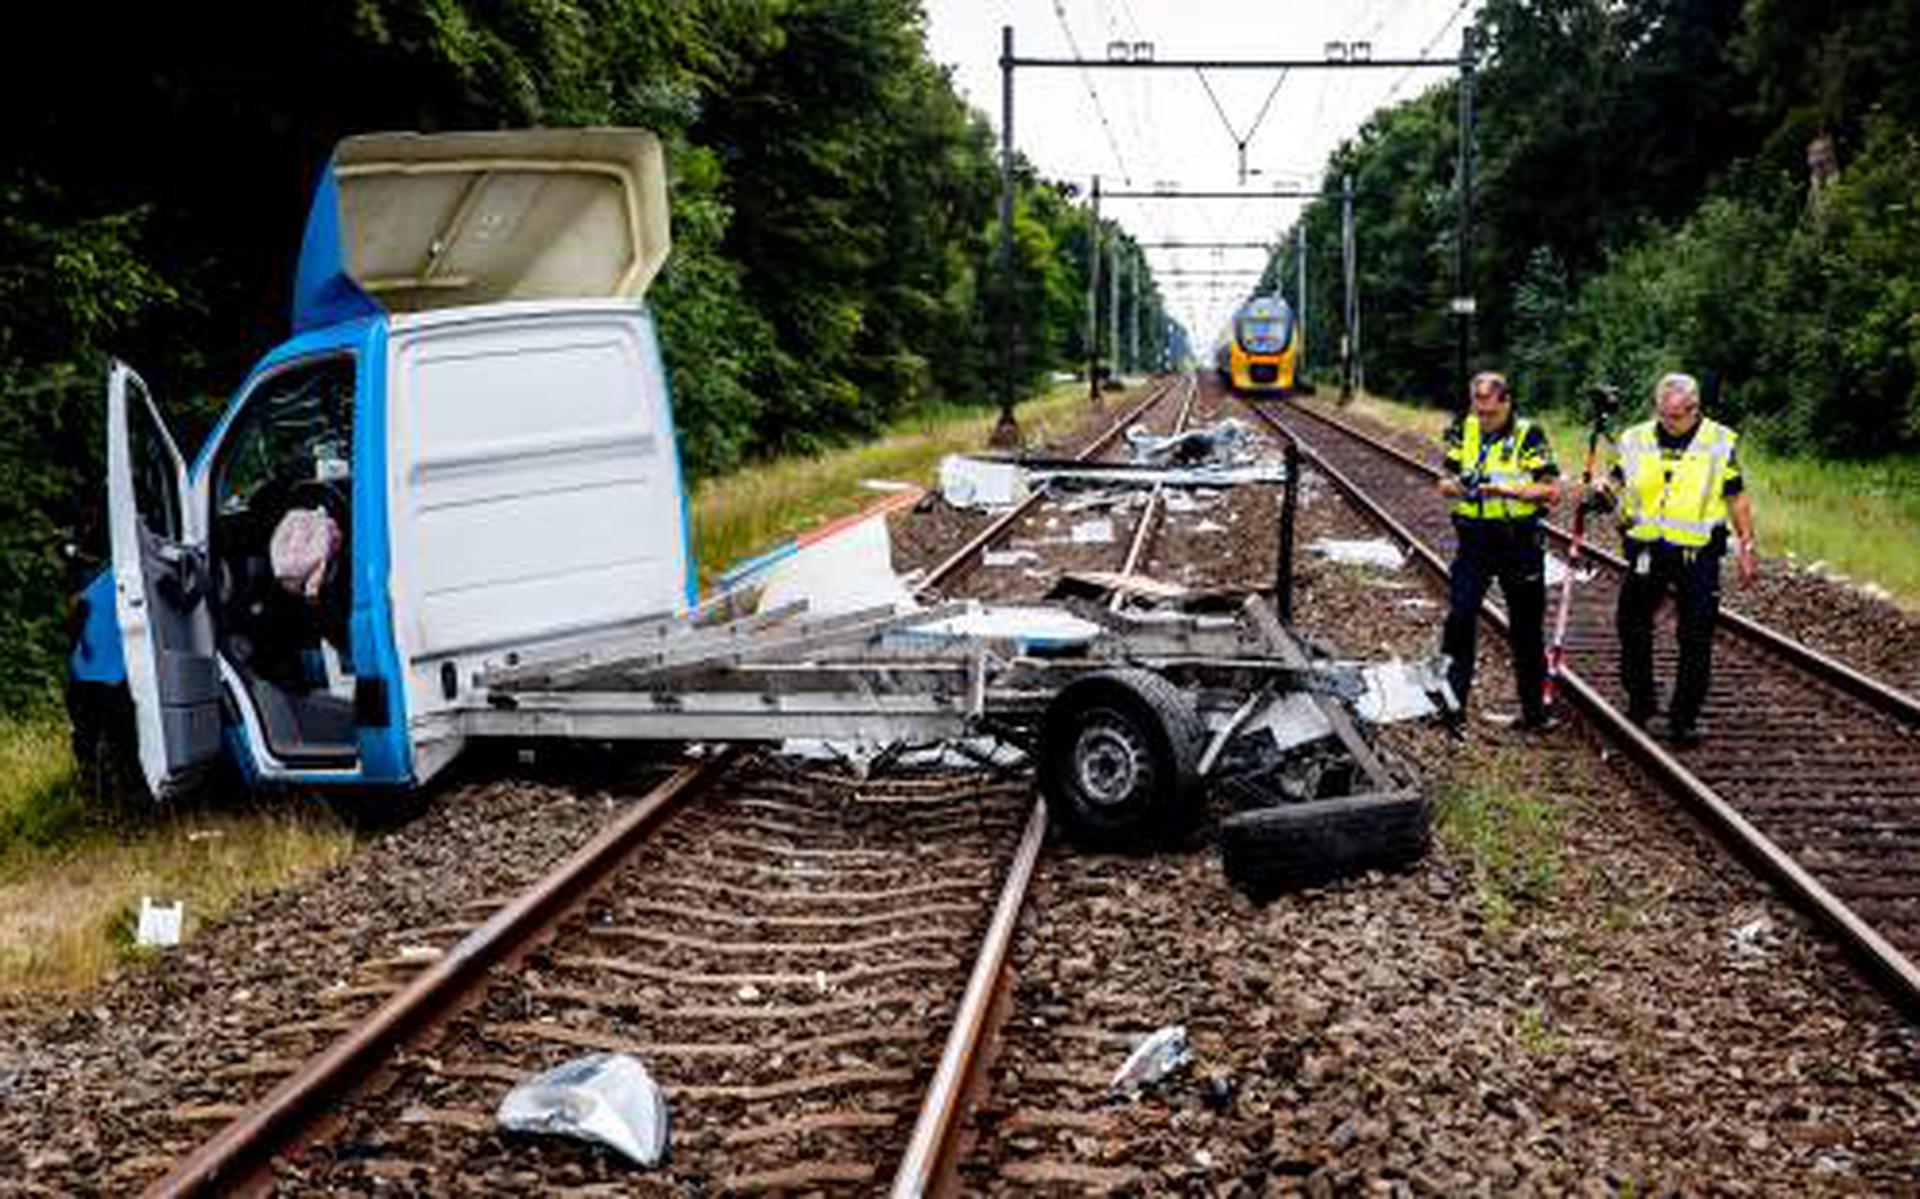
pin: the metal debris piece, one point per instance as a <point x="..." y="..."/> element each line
<point x="1163" y="1052"/>
<point x="605" y="1098"/>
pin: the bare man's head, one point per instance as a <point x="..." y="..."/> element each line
<point x="1492" y="402"/>
<point x="1676" y="402"/>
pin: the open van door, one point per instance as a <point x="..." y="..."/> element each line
<point x="160" y="585"/>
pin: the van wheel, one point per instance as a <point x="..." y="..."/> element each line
<point x="1268" y="851"/>
<point x="106" y="750"/>
<point x="1118" y="760"/>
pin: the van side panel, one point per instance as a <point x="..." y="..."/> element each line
<point x="535" y="485"/>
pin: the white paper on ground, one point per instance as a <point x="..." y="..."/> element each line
<point x="159" y="923"/>
<point x="849" y="571"/>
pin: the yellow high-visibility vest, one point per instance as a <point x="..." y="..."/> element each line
<point x="1676" y="500"/>
<point x="1505" y="461"/>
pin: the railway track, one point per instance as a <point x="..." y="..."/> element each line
<point x="782" y="952"/>
<point x="1809" y="768"/>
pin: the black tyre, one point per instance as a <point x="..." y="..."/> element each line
<point x="1267" y="851"/>
<point x="1118" y="759"/>
<point x="106" y="749"/>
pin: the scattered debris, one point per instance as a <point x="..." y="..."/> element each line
<point x="1371" y="551"/>
<point x="1099" y="584"/>
<point x="1224" y="443"/>
<point x="1093" y="532"/>
<point x="159" y="926"/>
<point x="967" y="482"/>
<point x="606" y="1098"/>
<point x="1029" y="629"/>
<point x="1750" y="945"/>
<point x="1163" y="1052"/>
<point x="1008" y="557"/>
<point x="848" y="572"/>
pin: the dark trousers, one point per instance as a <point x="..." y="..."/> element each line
<point x="1693" y="577"/>
<point x="1512" y="552"/>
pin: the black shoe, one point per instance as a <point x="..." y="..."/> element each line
<point x="1682" y="734"/>
<point x="1640" y="714"/>
<point x="1539" y="722"/>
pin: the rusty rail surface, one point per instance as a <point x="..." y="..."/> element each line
<point x="1809" y="769"/>
<point x="242" y="1152"/>
<point x="245" y="1147"/>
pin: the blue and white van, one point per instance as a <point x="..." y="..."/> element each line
<point x="471" y="422"/>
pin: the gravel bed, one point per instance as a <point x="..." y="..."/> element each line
<point x="101" y="1098"/>
<point x="1641" y="1016"/>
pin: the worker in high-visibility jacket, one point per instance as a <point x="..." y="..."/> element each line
<point x="1678" y="482"/>
<point x="1499" y="476"/>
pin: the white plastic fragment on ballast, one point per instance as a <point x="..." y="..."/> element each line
<point x="1372" y="551"/>
<point x="1163" y="1052"/>
<point x="604" y="1098"/>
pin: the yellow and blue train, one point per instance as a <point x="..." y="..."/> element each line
<point x="1260" y="353"/>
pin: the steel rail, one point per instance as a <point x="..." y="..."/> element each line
<point x="1895" y="970"/>
<point x="956" y="563"/>
<point x="1144" y="531"/>
<point x="244" y="1148"/>
<point x="931" y="1150"/>
<point x="1881" y="695"/>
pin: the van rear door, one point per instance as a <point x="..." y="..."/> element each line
<point x="535" y="486"/>
<point x="160" y="584"/>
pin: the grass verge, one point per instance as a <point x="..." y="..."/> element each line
<point x="1859" y="519"/>
<point x="1507" y="834"/>
<point x="71" y="885"/>
<point x="754" y="509"/>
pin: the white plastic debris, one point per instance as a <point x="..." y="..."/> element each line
<point x="1035" y="628"/>
<point x="977" y="483"/>
<point x="847" y="572"/>
<point x="1291" y="719"/>
<point x="1008" y="557"/>
<point x="1751" y="944"/>
<point x="1093" y="532"/>
<point x="1371" y="551"/>
<point x="1163" y="1052"/>
<point x="605" y="1098"/>
<point x="1399" y="690"/>
<point x="159" y="926"/>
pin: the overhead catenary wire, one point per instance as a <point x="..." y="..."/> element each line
<point x="1093" y="93"/>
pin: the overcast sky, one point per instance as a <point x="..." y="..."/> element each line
<point x="1143" y="129"/>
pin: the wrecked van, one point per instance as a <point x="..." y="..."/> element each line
<point x="465" y="451"/>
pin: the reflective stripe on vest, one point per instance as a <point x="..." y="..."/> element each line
<point x="1676" y="500"/>
<point x="1496" y="462"/>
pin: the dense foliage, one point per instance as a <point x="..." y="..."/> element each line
<point x="1645" y="204"/>
<point x="834" y="212"/>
